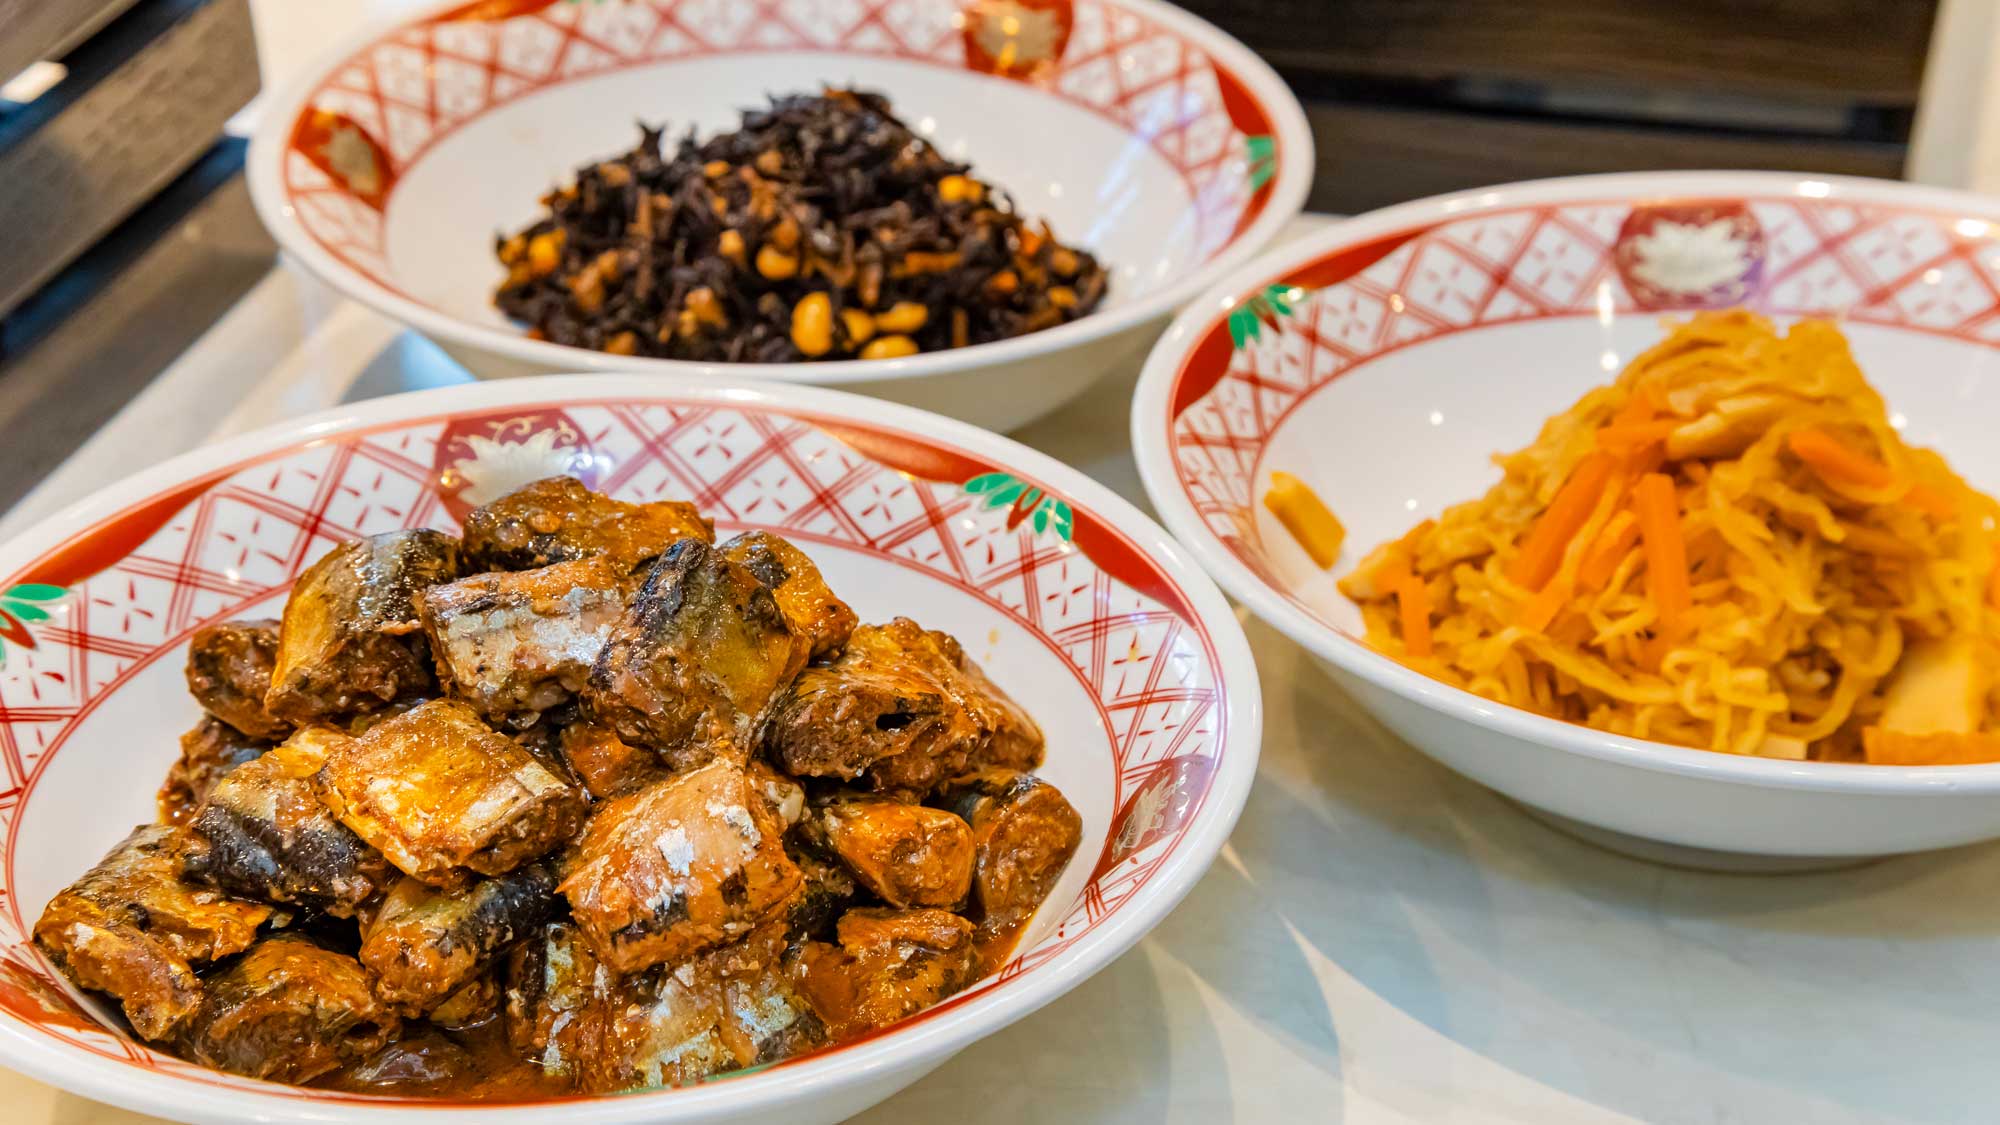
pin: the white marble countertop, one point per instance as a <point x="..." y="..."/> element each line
<point x="1381" y="941"/>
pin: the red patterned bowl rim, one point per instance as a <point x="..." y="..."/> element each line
<point x="1254" y="97"/>
<point x="1119" y="540"/>
<point x="1193" y="356"/>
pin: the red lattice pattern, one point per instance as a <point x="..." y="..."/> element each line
<point x="413" y="88"/>
<point x="1866" y="263"/>
<point x="1150" y="670"/>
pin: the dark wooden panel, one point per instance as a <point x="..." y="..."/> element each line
<point x="47" y="29"/>
<point x="120" y="141"/>
<point x="1370" y="156"/>
<point x="1850" y="51"/>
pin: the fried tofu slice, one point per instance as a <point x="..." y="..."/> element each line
<point x="889" y="965"/>
<point x="288" y="1011"/>
<point x="696" y="663"/>
<point x="264" y="834"/>
<point x="907" y="855"/>
<point x="229" y="673"/>
<point x="442" y="795"/>
<point x="688" y="863"/>
<point x="350" y="640"/>
<point x="810" y="607"/>
<point x="209" y="753"/>
<point x="514" y="644"/>
<point x="425" y="945"/>
<point x="559" y="520"/>
<point x="1025" y="833"/>
<point x="899" y="709"/>
<point x="131" y="928"/>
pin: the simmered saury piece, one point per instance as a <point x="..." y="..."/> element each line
<point x="229" y="674"/>
<point x="350" y="639"/>
<point x="550" y="979"/>
<point x="288" y="1011"/>
<point x="517" y="643"/>
<point x="440" y="794"/>
<point x="1025" y="831"/>
<point x="263" y="834"/>
<point x="695" y="664"/>
<point x="132" y="929"/>
<point x="686" y="864"/>
<point x="559" y="520"/>
<point x="897" y="708"/>
<point x="810" y="608"/>
<point x="209" y="753"/>
<point x="424" y="1061"/>
<point x="908" y="855"/>
<point x="424" y="944"/>
<point x="1013" y="741"/>
<point x="723" y="1010"/>
<point x="890" y="964"/>
<point x="609" y="766"/>
<point x="829" y="889"/>
<point x="473" y="1003"/>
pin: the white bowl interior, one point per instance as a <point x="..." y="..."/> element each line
<point x="1098" y="185"/>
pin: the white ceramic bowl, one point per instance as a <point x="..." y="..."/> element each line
<point x="1429" y="336"/>
<point x="1082" y="608"/>
<point x="1140" y="132"/>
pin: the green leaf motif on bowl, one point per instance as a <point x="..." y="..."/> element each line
<point x="19" y="605"/>
<point x="1030" y="504"/>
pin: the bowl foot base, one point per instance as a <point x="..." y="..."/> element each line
<point x="1692" y="858"/>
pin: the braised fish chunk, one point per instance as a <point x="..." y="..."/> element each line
<point x="425" y="944"/>
<point x="350" y="639"/>
<point x="229" y="674"/>
<point x="895" y="707"/>
<point x="132" y="929"/>
<point x="727" y="1009"/>
<point x="890" y="964"/>
<point x="810" y="608"/>
<point x="288" y="1011"/>
<point x="828" y="890"/>
<point x="208" y="753"/>
<point x="515" y="644"/>
<point x="559" y="520"/>
<point x="908" y="855"/>
<point x="1025" y="831"/>
<point x="550" y="979"/>
<point x="688" y="863"/>
<point x="698" y="659"/>
<point x="263" y="834"/>
<point x="440" y="794"/>
<point x="1014" y="741"/>
<point x="609" y="766"/>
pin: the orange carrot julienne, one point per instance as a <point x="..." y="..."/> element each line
<point x="1413" y="605"/>
<point x="1537" y="612"/>
<point x="1666" y="552"/>
<point x="1641" y="407"/>
<point x="1835" y="463"/>
<point x="1542" y="548"/>
<point x="1993" y="581"/>
<point x="1605" y="554"/>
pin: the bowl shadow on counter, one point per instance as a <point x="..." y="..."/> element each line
<point x="1662" y="993"/>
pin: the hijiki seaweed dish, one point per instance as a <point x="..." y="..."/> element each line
<point x="824" y="228"/>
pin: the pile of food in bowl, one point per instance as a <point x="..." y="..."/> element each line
<point x="823" y="228"/>
<point x="582" y="801"/>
